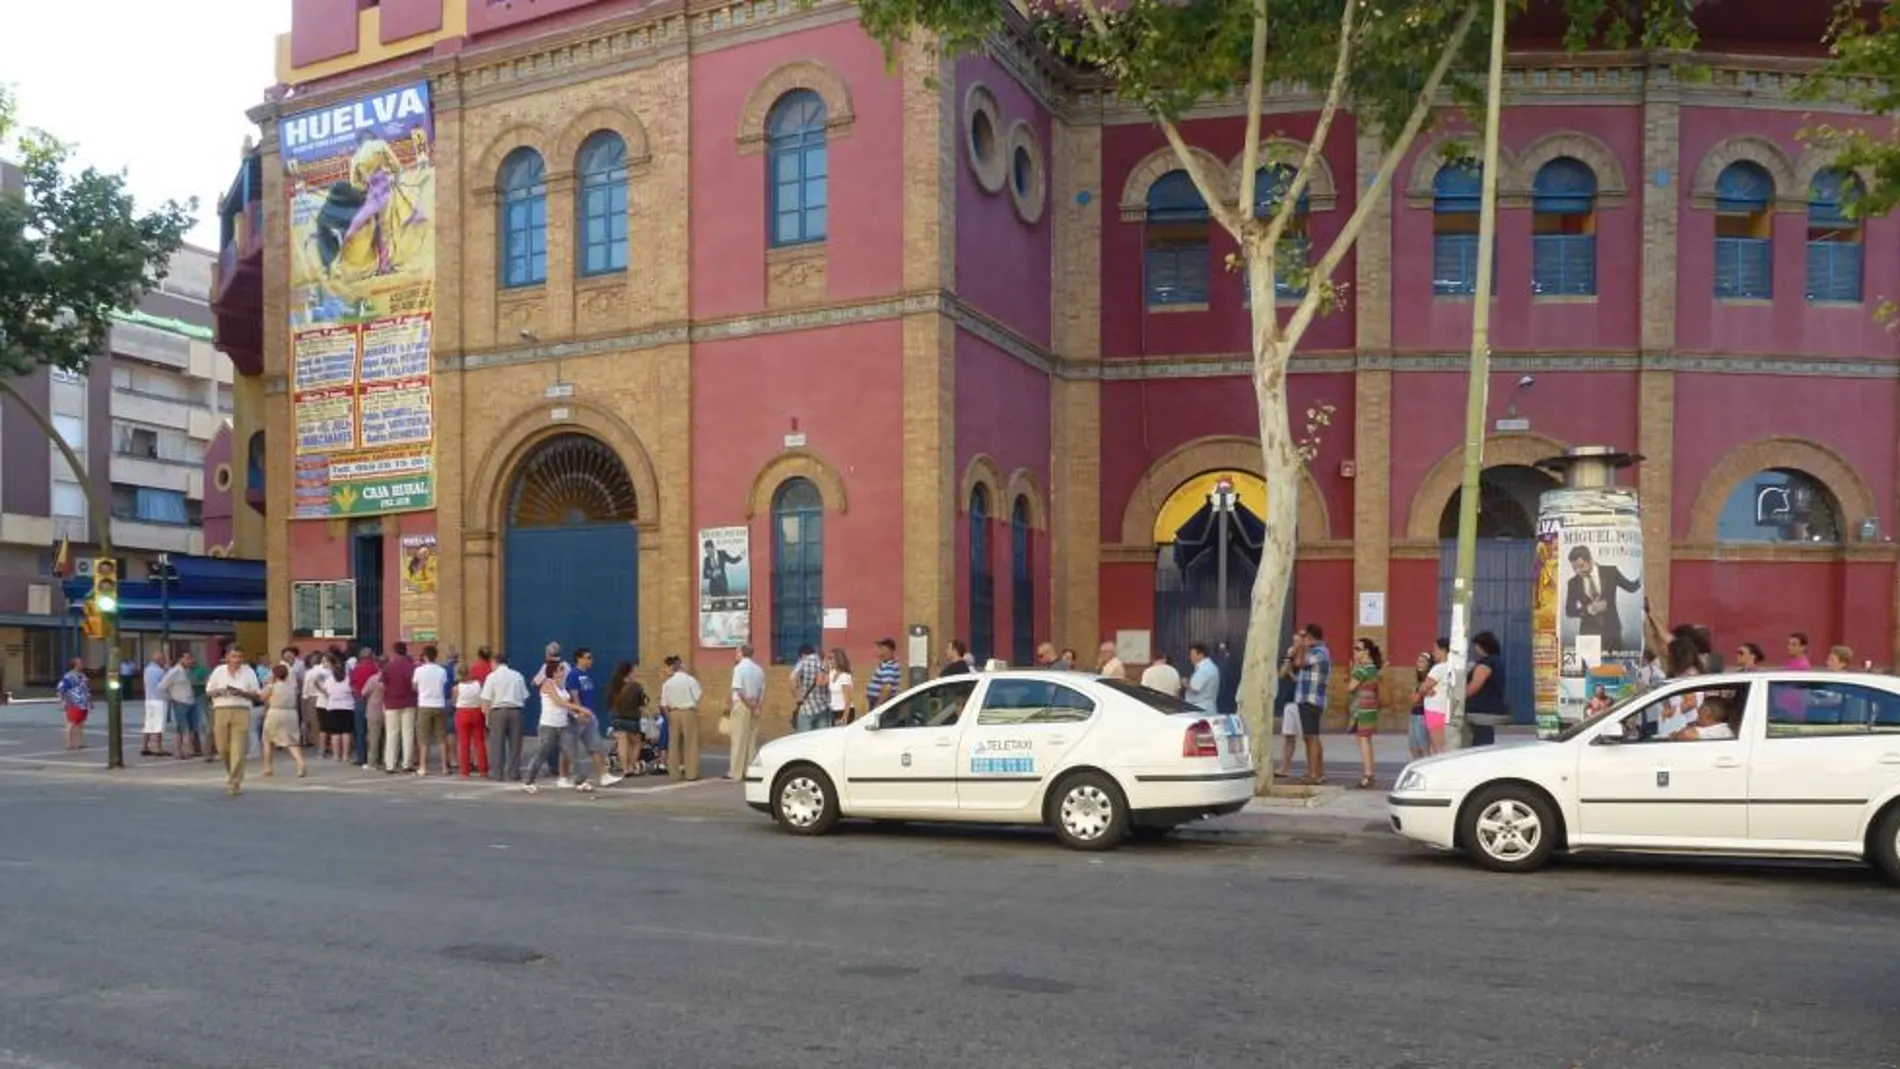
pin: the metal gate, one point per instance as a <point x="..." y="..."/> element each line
<point x="1188" y="596"/>
<point x="571" y="559"/>
<point x="1500" y="604"/>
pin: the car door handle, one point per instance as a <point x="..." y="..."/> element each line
<point x="943" y="742"/>
<point x="1728" y="762"/>
<point x="1890" y="758"/>
<point x="1058" y="740"/>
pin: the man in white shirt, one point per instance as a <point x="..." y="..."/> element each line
<point x="504" y="692"/>
<point x="1162" y="676"/>
<point x="1111" y="663"/>
<point x="432" y="681"/>
<point x="679" y="697"/>
<point x="315" y="679"/>
<point x="748" y="694"/>
<point x="232" y="689"/>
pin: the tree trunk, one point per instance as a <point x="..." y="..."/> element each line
<point x="1280" y="463"/>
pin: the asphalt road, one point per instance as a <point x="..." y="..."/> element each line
<point x="171" y="926"/>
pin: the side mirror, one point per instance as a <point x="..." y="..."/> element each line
<point x="871" y="723"/>
<point x="1613" y="737"/>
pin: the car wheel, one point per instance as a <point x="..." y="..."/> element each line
<point x="804" y="802"/>
<point x="1886" y="844"/>
<point x="1509" y="828"/>
<point x="1088" y="812"/>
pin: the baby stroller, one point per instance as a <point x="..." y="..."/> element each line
<point x="649" y="749"/>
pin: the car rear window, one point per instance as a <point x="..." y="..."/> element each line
<point x="1153" y="699"/>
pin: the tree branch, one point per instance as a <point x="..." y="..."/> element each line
<point x="1204" y="184"/>
<point x="1342" y="73"/>
<point x="1256" y="75"/>
<point x="1323" y="271"/>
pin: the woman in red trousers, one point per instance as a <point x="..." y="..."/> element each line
<point x="471" y="726"/>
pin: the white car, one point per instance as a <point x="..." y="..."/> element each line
<point x="1768" y="764"/>
<point x="1094" y="758"/>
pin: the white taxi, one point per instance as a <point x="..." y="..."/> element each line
<point x="1094" y="758"/>
<point x="1767" y="764"/>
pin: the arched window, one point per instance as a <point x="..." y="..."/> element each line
<point x="1780" y="505"/>
<point x="798" y="569"/>
<point x="982" y="582"/>
<point x="1457" y="194"/>
<point x="1564" y="229"/>
<point x="1290" y="259"/>
<point x="1744" y="235"/>
<point x="1022" y="587"/>
<point x="1174" y="263"/>
<point x="797" y="163"/>
<point x="602" y="204"/>
<point x="1834" y="237"/>
<point x="524" y="219"/>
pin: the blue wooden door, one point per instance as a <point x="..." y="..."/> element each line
<point x="1500" y="604"/>
<point x="570" y="560"/>
<point x="1188" y="596"/>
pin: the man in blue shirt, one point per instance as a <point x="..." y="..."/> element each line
<point x="1309" y="664"/>
<point x="581" y="684"/>
<point x="1203" y="685"/>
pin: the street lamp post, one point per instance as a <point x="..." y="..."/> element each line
<point x="1222" y="501"/>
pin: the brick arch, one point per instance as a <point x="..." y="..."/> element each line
<point x="1215" y="452"/>
<point x="1446" y="477"/>
<point x="1143" y="176"/>
<point x="798" y="74"/>
<point x="1612" y="185"/>
<point x="520" y="135"/>
<point x="494" y="473"/>
<point x="796" y="464"/>
<point x="981" y="470"/>
<point x="1851" y="494"/>
<point x="1813" y="160"/>
<point x="1322" y="194"/>
<point x="567" y="148"/>
<point x="1022" y="484"/>
<point x="1790" y="193"/>
<point x="1418" y="188"/>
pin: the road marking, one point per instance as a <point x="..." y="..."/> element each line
<point x="16" y="1060"/>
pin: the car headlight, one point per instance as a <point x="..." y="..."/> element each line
<point x="1412" y="780"/>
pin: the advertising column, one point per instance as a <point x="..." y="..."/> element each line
<point x="1587" y="612"/>
<point x="361" y="192"/>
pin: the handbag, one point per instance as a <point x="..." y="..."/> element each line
<point x="725" y="725"/>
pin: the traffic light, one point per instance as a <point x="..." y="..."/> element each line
<point x="93" y="627"/>
<point x="105" y="585"/>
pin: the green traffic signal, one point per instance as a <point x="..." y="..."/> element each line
<point x="105" y="603"/>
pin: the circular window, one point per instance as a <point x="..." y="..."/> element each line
<point x="221" y="478"/>
<point x="1027" y="181"/>
<point x="982" y="142"/>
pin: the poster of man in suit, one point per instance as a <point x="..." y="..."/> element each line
<point x="1597" y="580"/>
<point x="725" y="588"/>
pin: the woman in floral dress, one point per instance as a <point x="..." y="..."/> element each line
<point x="1364" y="709"/>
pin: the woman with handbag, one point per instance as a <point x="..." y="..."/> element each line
<point x="1485" y="706"/>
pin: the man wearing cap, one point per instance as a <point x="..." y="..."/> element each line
<point x="679" y="698"/>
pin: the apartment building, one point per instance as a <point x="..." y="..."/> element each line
<point x="140" y="419"/>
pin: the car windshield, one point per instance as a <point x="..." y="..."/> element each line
<point x="1583" y="725"/>
<point x="1153" y="699"/>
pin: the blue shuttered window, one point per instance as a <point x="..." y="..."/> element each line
<point x="602" y="204"/>
<point x="1744" y="251"/>
<point x="1290" y="259"/>
<point x="1563" y="242"/>
<point x="1174" y="265"/>
<point x="798" y="569"/>
<point x="1022" y="588"/>
<point x="797" y="168"/>
<point x="524" y="219"/>
<point x="1457" y="193"/>
<point x="1835" y="248"/>
<point x="982" y="582"/>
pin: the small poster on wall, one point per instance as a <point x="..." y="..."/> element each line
<point x="417" y="601"/>
<point x="725" y="588"/>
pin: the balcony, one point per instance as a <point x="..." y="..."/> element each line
<point x="128" y="469"/>
<point x="152" y="409"/>
<point x="141" y="341"/>
<point x="128" y="533"/>
<point x="237" y="286"/>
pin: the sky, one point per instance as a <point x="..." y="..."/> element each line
<point x="158" y="89"/>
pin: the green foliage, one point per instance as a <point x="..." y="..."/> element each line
<point x="73" y="248"/>
<point x="1169" y="55"/>
<point x="1863" y="70"/>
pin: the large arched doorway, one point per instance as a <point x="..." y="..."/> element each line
<point x="1189" y="595"/>
<point x="1506" y="577"/>
<point x="570" y="557"/>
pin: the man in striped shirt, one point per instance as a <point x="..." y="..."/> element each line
<point x="889" y="677"/>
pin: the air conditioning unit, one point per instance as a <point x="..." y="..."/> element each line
<point x="83" y="567"/>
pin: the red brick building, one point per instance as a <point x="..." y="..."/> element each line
<point x="962" y="355"/>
